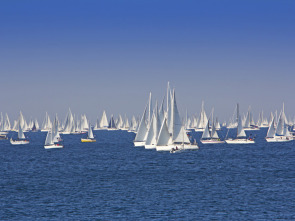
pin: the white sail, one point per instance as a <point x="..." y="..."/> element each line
<point x="217" y="124"/>
<point x="69" y="121"/>
<point x="162" y="112"/>
<point x="90" y="132"/>
<point x="271" y="118"/>
<point x="169" y="109"/>
<point x="247" y="121"/>
<point x="214" y="133"/>
<point x="175" y="119"/>
<point x="203" y="118"/>
<point x="281" y="125"/>
<point x="7" y="125"/>
<point x="240" y="129"/>
<point x="142" y="129"/>
<point x="15" y="125"/>
<point x="120" y="122"/>
<point x="47" y="125"/>
<point x="20" y="134"/>
<point x="164" y="136"/>
<point x="1" y="123"/>
<point x="182" y="137"/>
<point x="271" y="130"/>
<point x="149" y="117"/>
<point x="55" y="133"/>
<point x="154" y="129"/>
<point x="48" y="140"/>
<point x="151" y="132"/>
<point x="22" y="122"/>
<point x="104" y="120"/>
<point x="126" y="124"/>
<point x="37" y="124"/>
<point x="133" y="124"/>
<point x="84" y="123"/>
<point x="96" y="127"/>
<point x="206" y="133"/>
<point x="178" y="129"/>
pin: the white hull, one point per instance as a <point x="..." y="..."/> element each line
<point x="199" y="129"/>
<point x="19" y="142"/>
<point x="191" y="147"/>
<point x="279" y="139"/>
<point x="64" y="132"/>
<point x="163" y="148"/>
<point x="80" y="132"/>
<point x="3" y="132"/>
<point x="152" y="146"/>
<point x="53" y="146"/>
<point x="139" y="143"/>
<point x="100" y="129"/>
<point x="212" y="141"/>
<point x="45" y="130"/>
<point x="251" y="128"/>
<point x="113" y="129"/>
<point x="179" y="146"/>
<point x="239" y="141"/>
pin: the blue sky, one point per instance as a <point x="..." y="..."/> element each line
<point x="96" y="55"/>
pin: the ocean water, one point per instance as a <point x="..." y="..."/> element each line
<point x="112" y="180"/>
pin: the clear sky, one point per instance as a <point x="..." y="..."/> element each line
<point x="95" y="55"/>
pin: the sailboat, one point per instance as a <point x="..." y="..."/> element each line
<point x="21" y="137"/>
<point x="140" y="138"/>
<point x="133" y="126"/>
<point x="241" y="135"/>
<point x="68" y="123"/>
<point x="46" y="124"/>
<point x="202" y="120"/>
<point x="249" y="119"/>
<point x="281" y="133"/>
<point x="154" y="129"/>
<point x="90" y="137"/>
<point x="103" y="123"/>
<point x="112" y="125"/>
<point x="49" y="142"/>
<point x="212" y="138"/>
<point x="178" y="139"/>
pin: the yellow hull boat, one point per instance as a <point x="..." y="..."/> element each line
<point x="87" y="140"/>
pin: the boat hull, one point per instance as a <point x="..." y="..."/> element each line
<point x="240" y="141"/>
<point x="152" y="146"/>
<point x="199" y="129"/>
<point x="278" y="139"/>
<point x="64" y="132"/>
<point x="250" y="128"/>
<point x="53" y="146"/>
<point x="164" y="148"/>
<point x="87" y="140"/>
<point x="212" y="141"/>
<point x="3" y="132"/>
<point x="178" y="146"/>
<point x="139" y="143"/>
<point x="19" y="142"/>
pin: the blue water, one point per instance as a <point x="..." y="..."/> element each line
<point x="112" y="180"/>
